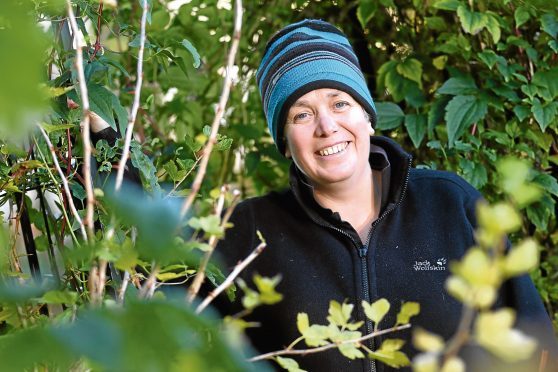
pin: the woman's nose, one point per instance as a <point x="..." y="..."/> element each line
<point x="326" y="124"/>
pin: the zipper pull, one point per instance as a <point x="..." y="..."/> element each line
<point x="362" y="251"/>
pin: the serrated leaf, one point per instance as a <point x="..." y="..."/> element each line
<point x="416" y="127"/>
<point x="339" y="314"/>
<point x="461" y="113"/>
<point x="411" y="68"/>
<point x="408" y="310"/>
<point x="458" y="86"/>
<point x="390" y="115"/>
<point x="427" y="341"/>
<point x="521" y="15"/>
<point x="316" y="335"/>
<point x="193" y="51"/>
<point x="377" y="310"/>
<point x="350" y="351"/>
<point x="471" y="22"/>
<point x="395" y="359"/>
<point x="522" y="258"/>
<point x="171" y="169"/>
<point x="289" y="364"/>
<point x="365" y="11"/>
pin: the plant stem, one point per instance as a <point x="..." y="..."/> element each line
<point x="229" y="280"/>
<point x="84" y="122"/>
<point x="332" y="345"/>
<point x="135" y="105"/>
<point x="196" y="185"/>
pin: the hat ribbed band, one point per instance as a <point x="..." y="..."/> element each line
<point x="303" y="57"/>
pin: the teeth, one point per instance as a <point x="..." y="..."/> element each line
<point x="334" y="149"/>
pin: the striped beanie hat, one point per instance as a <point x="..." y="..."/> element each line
<point x="302" y="57"/>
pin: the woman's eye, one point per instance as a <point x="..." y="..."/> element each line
<point x="303" y="116"/>
<point x="341" y="104"/>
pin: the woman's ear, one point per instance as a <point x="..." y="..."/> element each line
<point x="287" y="152"/>
<point x="371" y="130"/>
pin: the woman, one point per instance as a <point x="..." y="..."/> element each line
<point x="358" y="223"/>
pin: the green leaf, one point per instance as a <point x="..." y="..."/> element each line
<point x="389" y="353"/>
<point x="266" y="286"/>
<point x="458" y="86"/>
<point x="390" y="115"/>
<point x="408" y="310"/>
<point x="474" y="172"/>
<point x="522" y="258"/>
<point x="121" y="114"/>
<point x="351" y="351"/>
<point x="211" y="225"/>
<point x="447" y="4"/>
<point x="316" y="335"/>
<point x="547" y="83"/>
<point x="365" y="11"/>
<point x="339" y="314"/>
<point x="493" y="332"/>
<point x="541" y="212"/>
<point x="493" y="26"/>
<point x="147" y="170"/>
<point x="427" y="341"/>
<point x="471" y="22"/>
<point x="461" y="113"/>
<point x="489" y="58"/>
<point x="440" y="62"/>
<point x="411" y="69"/>
<point x="544" y="114"/>
<point x="395" y="84"/>
<point x="289" y="364"/>
<point x="376" y="311"/>
<point x="521" y="15"/>
<point x="548" y="182"/>
<point x="59" y="297"/>
<point x="302" y="322"/>
<point x="416" y="127"/>
<point x="453" y="364"/>
<point x="193" y="51"/>
<point x="549" y="24"/>
<point x="522" y="112"/>
<point x="49" y="128"/>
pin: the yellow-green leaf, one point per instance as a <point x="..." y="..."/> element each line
<point x="350" y="351"/>
<point x="453" y="364"/>
<point x="471" y="22"/>
<point x="408" y="310"/>
<point x="289" y="364"/>
<point x="316" y="335"/>
<point x="302" y="322"/>
<point x="493" y="331"/>
<point x="440" y="62"/>
<point x="427" y="341"/>
<point x="411" y="68"/>
<point x="376" y="311"/>
<point x="395" y="359"/>
<point x="339" y="314"/>
<point x="425" y="362"/>
<point x="522" y="258"/>
<point x="391" y="344"/>
<point x="266" y="287"/>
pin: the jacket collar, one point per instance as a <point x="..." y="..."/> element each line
<point x="386" y="156"/>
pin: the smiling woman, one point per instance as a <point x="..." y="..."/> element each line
<point x="357" y="217"/>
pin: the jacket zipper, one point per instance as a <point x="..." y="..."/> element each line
<point x="363" y="251"/>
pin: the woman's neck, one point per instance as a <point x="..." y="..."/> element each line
<point x="358" y="203"/>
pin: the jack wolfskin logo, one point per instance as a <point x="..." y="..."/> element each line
<point x="440" y="265"/>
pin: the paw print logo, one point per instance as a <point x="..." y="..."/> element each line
<point x="441" y="261"/>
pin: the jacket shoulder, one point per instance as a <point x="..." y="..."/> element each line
<point x="448" y="181"/>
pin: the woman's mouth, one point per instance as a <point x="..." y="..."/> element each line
<point x="333" y="149"/>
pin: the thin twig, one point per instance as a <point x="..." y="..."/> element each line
<point x="232" y="276"/>
<point x="146" y="290"/>
<point x="328" y="346"/>
<point x="65" y="183"/>
<point x="463" y="332"/>
<point x="196" y="185"/>
<point x="135" y="105"/>
<point x="200" y="275"/>
<point x="84" y="122"/>
<point x="124" y="286"/>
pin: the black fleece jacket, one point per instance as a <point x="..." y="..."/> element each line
<point x="427" y="220"/>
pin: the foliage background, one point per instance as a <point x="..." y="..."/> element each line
<point x="460" y="84"/>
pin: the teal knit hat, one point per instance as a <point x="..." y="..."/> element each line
<point x="302" y="57"/>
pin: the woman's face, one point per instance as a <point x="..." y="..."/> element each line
<point x="328" y="137"/>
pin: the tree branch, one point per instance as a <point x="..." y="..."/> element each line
<point x="328" y="346"/>
<point x="232" y="276"/>
<point x="196" y="185"/>
<point x="135" y="105"/>
<point x="84" y="122"/>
